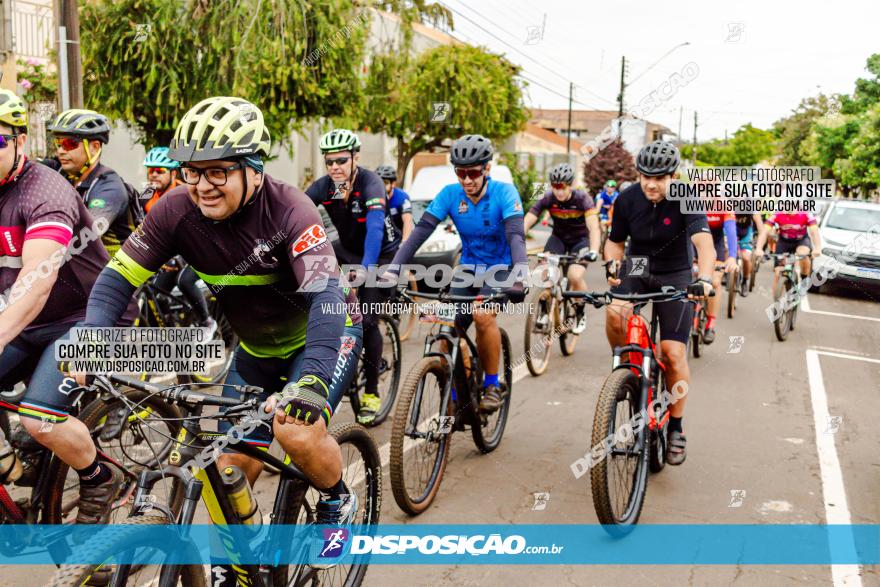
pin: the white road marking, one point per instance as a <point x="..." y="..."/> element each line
<point x="805" y="306"/>
<point x="833" y="490"/>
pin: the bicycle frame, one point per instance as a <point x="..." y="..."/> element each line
<point x="207" y="485"/>
<point x="643" y="360"/>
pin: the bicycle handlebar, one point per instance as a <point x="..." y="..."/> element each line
<point x="448" y="297"/>
<point x="598" y="299"/>
<point x="180" y="394"/>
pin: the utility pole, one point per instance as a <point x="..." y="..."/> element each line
<point x="69" y="53"/>
<point x="695" y="139"/>
<point x="622" y="86"/>
<point x="680" y="114"/>
<point x="568" y="134"/>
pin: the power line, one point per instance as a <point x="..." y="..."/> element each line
<point x="493" y="35"/>
<point x="520" y="52"/>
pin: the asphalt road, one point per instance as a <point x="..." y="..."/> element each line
<point x="758" y="421"/>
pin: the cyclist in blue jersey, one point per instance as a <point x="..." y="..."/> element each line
<point x="605" y="199"/>
<point x="488" y="215"/>
<point x="399" y="206"/>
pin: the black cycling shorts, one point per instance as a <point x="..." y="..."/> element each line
<point x="31" y="357"/>
<point x="675" y="317"/>
<point x="787" y="245"/>
<point x="464" y="313"/>
<point x="557" y="246"/>
<point x="272" y="374"/>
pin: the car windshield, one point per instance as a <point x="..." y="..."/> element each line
<point x="855" y="219"/>
<point x="418" y="208"/>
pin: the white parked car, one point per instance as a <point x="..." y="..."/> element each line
<point x="848" y="222"/>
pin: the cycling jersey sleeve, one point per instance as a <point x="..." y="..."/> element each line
<point x="149" y="246"/>
<point x="439" y="206"/>
<point x="514" y="230"/>
<point x="374" y="196"/>
<point x="539" y="206"/>
<point x="317" y="191"/>
<point x="696" y="224"/>
<point x="108" y="198"/>
<point x="405" y="204"/>
<point x="314" y="266"/>
<point x="420" y="234"/>
<point x="732" y="241"/>
<point x="511" y="202"/>
<point x="108" y="299"/>
<point x="47" y="214"/>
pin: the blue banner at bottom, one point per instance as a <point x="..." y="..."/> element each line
<point x="443" y="544"/>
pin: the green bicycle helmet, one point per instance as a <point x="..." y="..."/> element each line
<point x="13" y="112"/>
<point x="158" y="157"/>
<point x="85" y="124"/>
<point x="340" y="139"/>
<point x="221" y="127"/>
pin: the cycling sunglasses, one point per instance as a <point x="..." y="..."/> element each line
<point x="340" y="161"/>
<point x="156" y="170"/>
<point x="558" y="186"/>
<point x="5" y="140"/>
<point x="462" y="172"/>
<point x="67" y="143"/>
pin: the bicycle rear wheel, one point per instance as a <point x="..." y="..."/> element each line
<point x="539" y="326"/>
<point x="389" y="371"/>
<point x="697" y="336"/>
<point x="657" y="435"/>
<point x="732" y="287"/>
<point x="489" y="428"/>
<point x="143" y="441"/>
<point x="620" y="479"/>
<point x="125" y="539"/>
<point x="420" y="437"/>
<point x="362" y="474"/>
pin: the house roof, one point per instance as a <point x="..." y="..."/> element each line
<point x="551" y="137"/>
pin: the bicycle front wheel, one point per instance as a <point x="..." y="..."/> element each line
<point x="362" y="474"/>
<point x="782" y="324"/>
<point x="125" y="542"/>
<point x="420" y="437"/>
<point x="619" y="479"/>
<point x="539" y="325"/>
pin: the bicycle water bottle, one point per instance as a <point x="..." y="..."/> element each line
<point x="241" y="495"/>
<point x="10" y="466"/>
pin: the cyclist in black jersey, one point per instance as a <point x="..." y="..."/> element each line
<point x="576" y="228"/>
<point x="261" y="247"/>
<point x="355" y="200"/>
<point x="659" y="254"/>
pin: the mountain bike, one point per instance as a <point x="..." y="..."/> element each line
<point x="787" y="293"/>
<point x="54" y="486"/>
<point x="631" y="415"/>
<point x="735" y="280"/>
<point x="441" y="395"/>
<point x="406" y="317"/>
<point x="294" y="503"/>
<point x="389" y="373"/>
<point x="164" y="308"/>
<point x="551" y="316"/>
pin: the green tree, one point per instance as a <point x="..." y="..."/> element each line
<point x="867" y="92"/>
<point x="794" y="129"/>
<point x="149" y="61"/>
<point x="612" y="162"/>
<point x="861" y="169"/>
<point x="525" y="177"/>
<point x="480" y="87"/>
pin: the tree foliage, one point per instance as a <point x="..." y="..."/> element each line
<point x="748" y="146"/>
<point x="612" y="162"/>
<point x="480" y="88"/>
<point x="794" y="130"/>
<point x="149" y="61"/>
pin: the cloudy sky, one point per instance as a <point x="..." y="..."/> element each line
<point x="756" y="60"/>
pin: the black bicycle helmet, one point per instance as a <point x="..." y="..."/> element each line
<point x="471" y="150"/>
<point x="562" y="173"/>
<point x="85" y="124"/>
<point x="658" y="158"/>
<point x="387" y="172"/>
